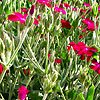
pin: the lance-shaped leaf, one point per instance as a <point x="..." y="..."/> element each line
<point x="90" y="93"/>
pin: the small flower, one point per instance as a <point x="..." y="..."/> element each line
<point x="98" y="8"/>
<point x="59" y="9"/>
<point x="57" y="61"/>
<point x="95" y="66"/>
<point x="46" y="2"/>
<point x="74" y="9"/>
<point x="24" y="10"/>
<point x="82" y="50"/>
<point x="90" y="24"/>
<point x="65" y="24"/>
<point x="36" y="22"/>
<point x="49" y="56"/>
<point x="67" y="5"/>
<point x="83" y="30"/>
<point x="38" y="17"/>
<point x="1" y="69"/>
<point x="22" y="92"/>
<point x="17" y="17"/>
<point x="80" y="37"/>
<point x="86" y="4"/>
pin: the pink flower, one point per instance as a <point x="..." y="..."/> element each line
<point x="38" y="17"/>
<point x="36" y="22"/>
<point x="57" y="61"/>
<point x="29" y="0"/>
<point x="32" y="9"/>
<point x="95" y="66"/>
<point x="83" y="30"/>
<point x="82" y="10"/>
<point x="80" y="36"/>
<point x="98" y="8"/>
<point x="65" y="24"/>
<point x="49" y="56"/>
<point x="82" y="50"/>
<point x="24" y="10"/>
<point x="59" y="9"/>
<point x="46" y="2"/>
<point x="66" y="5"/>
<point x="74" y="9"/>
<point x="17" y="17"/>
<point x="1" y="69"/>
<point x="90" y="24"/>
<point x="86" y="4"/>
<point x="22" y="92"/>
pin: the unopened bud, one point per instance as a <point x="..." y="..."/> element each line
<point x="32" y="10"/>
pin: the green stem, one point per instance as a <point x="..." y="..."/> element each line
<point x="18" y="47"/>
<point x="96" y="33"/>
<point x="45" y="96"/>
<point x="36" y="62"/>
<point x="62" y="93"/>
<point x="46" y="64"/>
<point x="15" y="53"/>
<point x="71" y="60"/>
<point x="11" y="91"/>
<point x="29" y="79"/>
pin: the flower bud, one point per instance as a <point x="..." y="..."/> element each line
<point x="2" y="46"/>
<point x="32" y="10"/>
<point x="1" y="69"/>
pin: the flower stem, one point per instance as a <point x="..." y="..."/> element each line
<point x="46" y="64"/>
<point x="15" y="53"/>
<point x="11" y="90"/>
<point x="45" y="96"/>
<point x="62" y="93"/>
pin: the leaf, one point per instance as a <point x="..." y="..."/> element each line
<point x="90" y="93"/>
<point x="80" y="97"/>
<point x="75" y="22"/>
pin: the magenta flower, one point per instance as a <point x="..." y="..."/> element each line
<point x="83" y="30"/>
<point x="80" y="37"/>
<point x="82" y="10"/>
<point x="98" y="8"/>
<point x="65" y="24"/>
<point x="57" y="61"/>
<point x="90" y="24"/>
<point x="1" y="69"/>
<point x="49" y="56"/>
<point x="38" y="17"/>
<point x="22" y="92"/>
<point x="59" y="9"/>
<point x="86" y="4"/>
<point x="46" y="2"/>
<point x="95" y="66"/>
<point x="24" y="10"/>
<point x="36" y="22"/>
<point x="82" y="50"/>
<point x="17" y="17"/>
<point x="74" y="9"/>
<point x="67" y="5"/>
